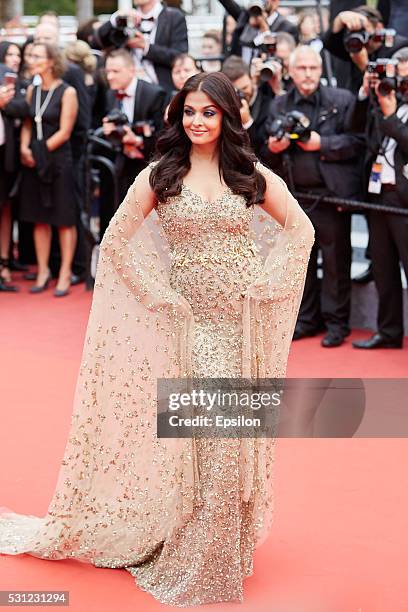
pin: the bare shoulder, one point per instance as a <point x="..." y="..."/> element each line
<point x="29" y="92"/>
<point x="276" y="195"/>
<point x="270" y="176"/>
<point x="70" y="93"/>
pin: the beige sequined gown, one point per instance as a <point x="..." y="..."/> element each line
<point x="213" y="262"/>
<point x="181" y="515"/>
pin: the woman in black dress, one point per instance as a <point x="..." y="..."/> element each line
<point x="47" y="186"/>
<point x="10" y="56"/>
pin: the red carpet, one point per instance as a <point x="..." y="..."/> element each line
<point x="339" y="537"/>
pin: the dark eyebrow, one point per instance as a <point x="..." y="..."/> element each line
<point x="208" y="106"/>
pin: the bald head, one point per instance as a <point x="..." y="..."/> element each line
<point x="46" y="33"/>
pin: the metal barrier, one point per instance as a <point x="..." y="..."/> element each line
<point x="351" y="204"/>
<point x="93" y="162"/>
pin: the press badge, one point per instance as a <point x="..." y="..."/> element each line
<point x="374" y="184"/>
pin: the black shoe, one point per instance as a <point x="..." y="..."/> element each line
<point x="377" y="341"/>
<point x="30" y="276"/>
<point x="8" y="288"/>
<point x="39" y="289"/>
<point x="76" y="279"/>
<point x="17" y="266"/>
<point x="304" y="333"/>
<point x="332" y="339"/>
<point x="365" y="277"/>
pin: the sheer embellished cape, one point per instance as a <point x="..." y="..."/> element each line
<point x="120" y="488"/>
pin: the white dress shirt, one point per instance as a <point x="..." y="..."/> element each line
<point x="128" y="103"/>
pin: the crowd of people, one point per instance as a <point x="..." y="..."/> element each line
<point x="324" y="101"/>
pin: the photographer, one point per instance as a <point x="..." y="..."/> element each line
<point x="134" y="113"/>
<point x="357" y="37"/>
<point x="382" y="109"/>
<point x="255" y="97"/>
<point x="307" y="142"/>
<point x="260" y="19"/>
<point x="154" y="34"/>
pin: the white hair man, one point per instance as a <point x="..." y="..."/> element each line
<point x="320" y="159"/>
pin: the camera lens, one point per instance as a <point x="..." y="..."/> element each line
<point x="355" y="41"/>
<point x="255" y="11"/>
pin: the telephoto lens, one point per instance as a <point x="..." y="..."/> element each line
<point x="355" y="41"/>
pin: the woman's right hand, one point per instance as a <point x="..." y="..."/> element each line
<point x="27" y="158"/>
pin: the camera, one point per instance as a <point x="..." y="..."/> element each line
<point x="120" y="120"/>
<point x="144" y="129"/>
<point x="126" y="25"/>
<point x="385" y="70"/>
<point x="355" y="41"/>
<point x="295" y="125"/>
<point x="269" y="69"/>
<point x="255" y="9"/>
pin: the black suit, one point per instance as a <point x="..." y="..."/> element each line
<point x="331" y="171"/>
<point x="259" y="113"/>
<point x="170" y="40"/>
<point x="75" y="76"/>
<point x="388" y="232"/>
<point x="17" y="108"/>
<point x="241" y="16"/>
<point x="149" y="105"/>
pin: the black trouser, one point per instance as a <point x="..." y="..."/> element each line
<point x="327" y="301"/>
<point x="389" y="247"/>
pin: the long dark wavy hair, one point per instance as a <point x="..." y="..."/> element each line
<point x="236" y="158"/>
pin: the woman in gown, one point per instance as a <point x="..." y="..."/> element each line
<point x="201" y="273"/>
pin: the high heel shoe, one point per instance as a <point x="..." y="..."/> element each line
<point x="43" y="287"/>
<point x="5" y="280"/>
<point x="61" y="292"/>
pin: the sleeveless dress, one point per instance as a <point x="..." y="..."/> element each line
<point x="182" y="516"/>
<point x="32" y="205"/>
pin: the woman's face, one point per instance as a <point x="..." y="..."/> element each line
<point x="12" y="59"/>
<point x="202" y="118"/>
<point x="40" y="61"/>
<point x="209" y="47"/>
<point x="183" y="70"/>
<point x="308" y="27"/>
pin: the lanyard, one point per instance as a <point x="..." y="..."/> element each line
<point x="41" y="108"/>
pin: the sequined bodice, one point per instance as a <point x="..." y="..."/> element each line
<point x="213" y="255"/>
<point x="213" y="260"/>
